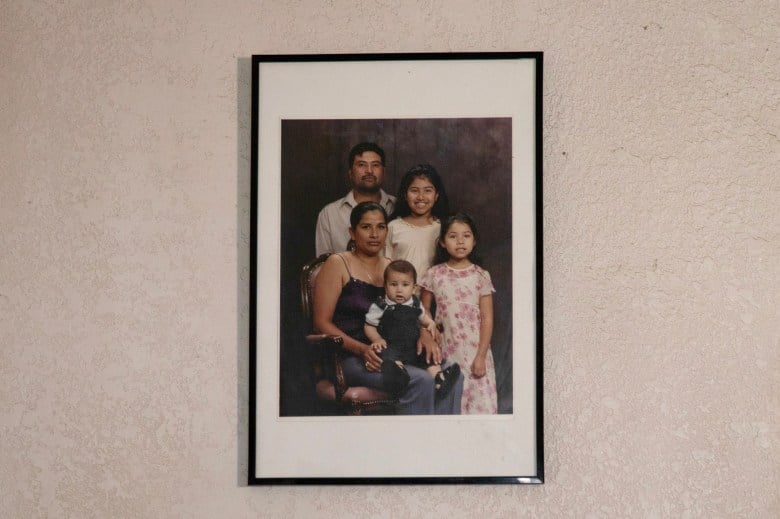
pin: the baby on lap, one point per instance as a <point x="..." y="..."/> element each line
<point x="393" y="327"/>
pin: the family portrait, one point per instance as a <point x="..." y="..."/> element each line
<point x="407" y="224"/>
<point x="395" y="288"/>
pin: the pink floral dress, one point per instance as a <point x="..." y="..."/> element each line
<point x="457" y="293"/>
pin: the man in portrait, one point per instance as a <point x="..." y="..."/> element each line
<point x="366" y="174"/>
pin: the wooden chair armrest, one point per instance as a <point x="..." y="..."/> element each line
<point x="341" y="380"/>
<point x="329" y="347"/>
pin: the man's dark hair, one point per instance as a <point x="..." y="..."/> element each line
<point x="363" y="147"/>
<point x="402" y="267"/>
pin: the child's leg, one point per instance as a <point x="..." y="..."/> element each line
<point x="419" y="395"/>
<point x="450" y="404"/>
<point x="396" y="378"/>
<point x="444" y="380"/>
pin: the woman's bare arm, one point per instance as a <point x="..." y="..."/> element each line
<point x="330" y="281"/>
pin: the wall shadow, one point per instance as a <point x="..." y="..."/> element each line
<point x="243" y="233"/>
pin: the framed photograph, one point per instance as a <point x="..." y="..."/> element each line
<point x="431" y="158"/>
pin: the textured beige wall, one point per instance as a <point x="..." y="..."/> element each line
<point x="123" y="243"/>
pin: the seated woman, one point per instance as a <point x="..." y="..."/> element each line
<point x="346" y="286"/>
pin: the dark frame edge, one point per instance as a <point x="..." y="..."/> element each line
<point x="252" y="451"/>
<point x="538" y="479"/>
<point x="414" y="56"/>
<point x="539" y="268"/>
<point x="466" y="480"/>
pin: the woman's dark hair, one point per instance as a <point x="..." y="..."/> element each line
<point x="362" y="208"/>
<point x="439" y="210"/>
<point x="442" y="255"/>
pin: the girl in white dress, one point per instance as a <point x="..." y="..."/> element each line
<point x="464" y="307"/>
<point x="416" y="222"/>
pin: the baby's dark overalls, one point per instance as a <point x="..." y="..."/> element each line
<point x="400" y="328"/>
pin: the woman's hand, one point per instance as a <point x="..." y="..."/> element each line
<point x="478" y="369"/>
<point x="432" y="349"/>
<point x="434" y="331"/>
<point x="371" y="359"/>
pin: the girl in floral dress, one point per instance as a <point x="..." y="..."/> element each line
<point x="464" y="307"/>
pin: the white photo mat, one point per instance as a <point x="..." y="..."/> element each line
<point x="301" y="449"/>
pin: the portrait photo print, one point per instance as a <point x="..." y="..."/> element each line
<point x="473" y="157"/>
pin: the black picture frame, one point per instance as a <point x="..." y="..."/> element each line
<point x="305" y="108"/>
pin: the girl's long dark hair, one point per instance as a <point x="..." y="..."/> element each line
<point x="439" y="210"/>
<point x="442" y="255"/>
